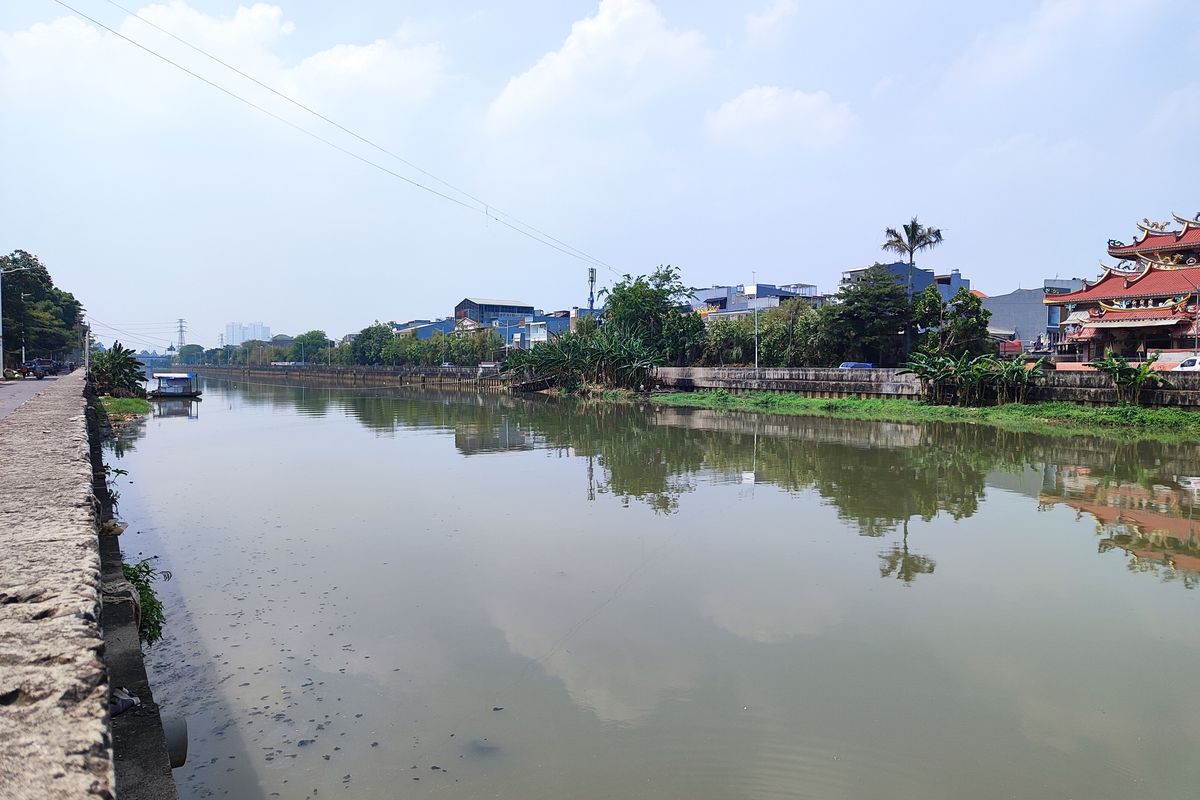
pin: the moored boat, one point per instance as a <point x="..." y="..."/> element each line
<point x="174" y="384"/>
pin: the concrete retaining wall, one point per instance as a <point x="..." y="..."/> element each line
<point x="1089" y="387"/>
<point x="448" y="377"/>
<point x="815" y="382"/>
<point x="54" y="736"/>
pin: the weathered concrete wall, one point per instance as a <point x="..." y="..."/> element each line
<point x="1089" y="387"/>
<point x="449" y="377"/>
<point x="810" y="381"/>
<point x="54" y="738"/>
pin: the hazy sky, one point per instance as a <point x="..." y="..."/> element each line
<point x="776" y="136"/>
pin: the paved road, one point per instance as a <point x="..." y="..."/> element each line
<point x="14" y="393"/>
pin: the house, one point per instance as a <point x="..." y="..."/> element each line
<point x="1024" y="312"/>
<point x="947" y="284"/>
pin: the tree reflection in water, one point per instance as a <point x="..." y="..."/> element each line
<point x="878" y="476"/>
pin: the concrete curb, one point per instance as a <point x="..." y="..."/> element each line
<point x="54" y="733"/>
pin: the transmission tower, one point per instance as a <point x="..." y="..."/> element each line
<point x="182" y="328"/>
<point x="591" y="289"/>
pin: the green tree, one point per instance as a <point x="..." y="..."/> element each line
<point x="367" y="347"/>
<point x="910" y="240"/>
<point x="785" y="334"/>
<point x="45" y="319"/>
<point x="869" y="317"/>
<point x="641" y="306"/>
<point x="952" y="328"/>
<point x="189" y="354"/>
<point x="306" y="346"/>
<point x="683" y="337"/>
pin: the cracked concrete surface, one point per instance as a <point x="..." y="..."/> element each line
<point x="54" y="740"/>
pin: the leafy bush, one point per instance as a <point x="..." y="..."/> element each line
<point x="1131" y="381"/>
<point x="143" y="575"/>
<point x="117" y="371"/>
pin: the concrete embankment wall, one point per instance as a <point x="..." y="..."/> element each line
<point x="448" y="377"/>
<point x="54" y="735"/>
<point x="814" y="382"/>
<point x="1090" y="388"/>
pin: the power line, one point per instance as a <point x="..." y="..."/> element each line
<point x="542" y="239"/>
<point x="489" y="209"/>
<point x="145" y="339"/>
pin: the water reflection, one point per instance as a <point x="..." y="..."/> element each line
<point x="661" y="603"/>
<point x="878" y="476"/>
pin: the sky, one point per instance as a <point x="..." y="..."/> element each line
<point x="772" y="138"/>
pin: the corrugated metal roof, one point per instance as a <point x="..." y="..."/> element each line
<point x="486" y="301"/>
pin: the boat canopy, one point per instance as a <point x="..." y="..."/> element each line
<point x="178" y="376"/>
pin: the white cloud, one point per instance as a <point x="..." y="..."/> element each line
<point x="768" y="24"/>
<point x="766" y="117"/>
<point x="1056" y="28"/>
<point x="68" y="59"/>
<point x="610" y="62"/>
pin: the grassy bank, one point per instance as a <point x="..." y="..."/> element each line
<point x="1124" y="422"/>
<point x="124" y="408"/>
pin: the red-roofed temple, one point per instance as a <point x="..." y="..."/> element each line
<point x="1147" y="302"/>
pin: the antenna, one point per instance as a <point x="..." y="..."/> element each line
<point x="591" y="289"/>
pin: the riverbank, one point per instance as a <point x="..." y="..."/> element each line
<point x="1056" y="418"/>
<point x="54" y="735"/>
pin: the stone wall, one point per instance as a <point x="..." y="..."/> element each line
<point x="54" y="736"/>
<point x="1078" y="386"/>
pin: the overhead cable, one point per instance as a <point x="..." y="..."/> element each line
<point x="487" y="210"/>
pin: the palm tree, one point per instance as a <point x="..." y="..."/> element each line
<point x="909" y="240"/>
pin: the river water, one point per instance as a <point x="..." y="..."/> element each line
<point x="383" y="594"/>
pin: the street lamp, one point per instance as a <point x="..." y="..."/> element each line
<point x="4" y="272"/>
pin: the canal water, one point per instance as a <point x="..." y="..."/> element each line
<point x="384" y="594"/>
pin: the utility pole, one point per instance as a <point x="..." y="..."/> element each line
<point x="754" y="277"/>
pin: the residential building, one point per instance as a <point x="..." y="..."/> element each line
<point x="717" y="302"/>
<point x="947" y="284"/>
<point x="237" y="332"/>
<point x="1025" y="313"/>
<point x="1149" y="301"/>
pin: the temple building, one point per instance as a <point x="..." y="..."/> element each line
<point x="1146" y="302"/>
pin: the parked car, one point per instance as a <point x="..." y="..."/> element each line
<point x="856" y="365"/>
<point x="1187" y="365"/>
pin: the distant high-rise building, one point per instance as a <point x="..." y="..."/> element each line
<point x="236" y="333"/>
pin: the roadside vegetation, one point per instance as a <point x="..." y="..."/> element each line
<point x="142" y="575"/>
<point x="37" y="314"/>
<point x="1118" y="422"/>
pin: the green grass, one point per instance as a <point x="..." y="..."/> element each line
<point x="1118" y="422"/>
<point x="124" y="407"/>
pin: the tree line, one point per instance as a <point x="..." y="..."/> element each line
<point x="45" y="320"/>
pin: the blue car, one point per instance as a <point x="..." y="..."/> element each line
<point x="856" y="365"/>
